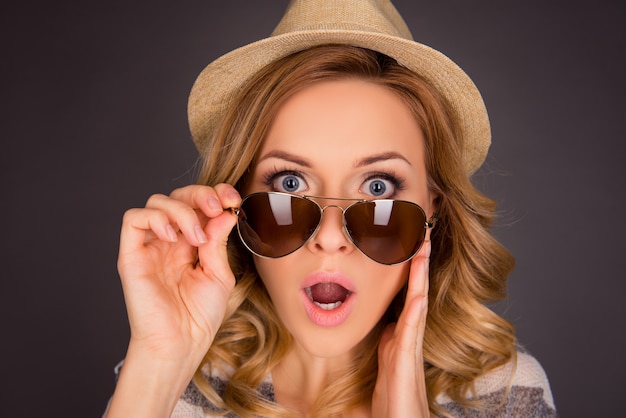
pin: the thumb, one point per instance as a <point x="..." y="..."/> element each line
<point x="212" y="255"/>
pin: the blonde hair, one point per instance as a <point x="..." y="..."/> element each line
<point x="463" y="338"/>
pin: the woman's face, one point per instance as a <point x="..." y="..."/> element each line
<point x="338" y="139"/>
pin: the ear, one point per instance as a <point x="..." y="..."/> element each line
<point x="432" y="211"/>
<point x="434" y="200"/>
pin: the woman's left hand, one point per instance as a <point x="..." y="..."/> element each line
<point x="400" y="389"/>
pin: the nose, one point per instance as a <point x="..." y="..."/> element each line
<point x="331" y="237"/>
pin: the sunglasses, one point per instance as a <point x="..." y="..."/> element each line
<point x="273" y="224"/>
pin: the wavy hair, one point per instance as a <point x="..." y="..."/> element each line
<point x="468" y="267"/>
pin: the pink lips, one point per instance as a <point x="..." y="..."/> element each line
<point x="328" y="315"/>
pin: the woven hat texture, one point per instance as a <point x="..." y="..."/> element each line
<point x="372" y="24"/>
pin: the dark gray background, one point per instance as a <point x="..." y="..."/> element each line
<point x="94" y="121"/>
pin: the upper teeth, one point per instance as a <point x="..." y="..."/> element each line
<point x="328" y="306"/>
<point x="325" y="306"/>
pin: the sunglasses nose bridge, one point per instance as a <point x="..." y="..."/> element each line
<point x="342" y="210"/>
<point x="324" y="220"/>
<point x="332" y="206"/>
<point x="343" y="217"/>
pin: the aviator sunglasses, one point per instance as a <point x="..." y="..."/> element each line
<point x="274" y="224"/>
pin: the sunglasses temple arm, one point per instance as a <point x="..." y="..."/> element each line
<point x="234" y="211"/>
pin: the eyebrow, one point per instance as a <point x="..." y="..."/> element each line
<point x="282" y="155"/>
<point x="385" y="156"/>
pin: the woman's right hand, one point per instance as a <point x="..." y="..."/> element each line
<point x="177" y="281"/>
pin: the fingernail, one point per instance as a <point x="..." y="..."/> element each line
<point x="171" y="234"/>
<point x="214" y="204"/>
<point x="232" y="194"/>
<point x="200" y="235"/>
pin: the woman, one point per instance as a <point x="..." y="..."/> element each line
<point x="355" y="282"/>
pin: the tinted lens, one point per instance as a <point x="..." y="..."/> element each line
<point x="387" y="231"/>
<point x="274" y="224"/>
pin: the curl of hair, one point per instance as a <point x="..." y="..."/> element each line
<point x="468" y="267"/>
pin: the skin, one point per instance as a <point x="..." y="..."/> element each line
<point x="335" y="138"/>
<point x="356" y="121"/>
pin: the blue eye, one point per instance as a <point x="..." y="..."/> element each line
<point x="377" y="188"/>
<point x="382" y="186"/>
<point x="290" y="183"/>
<point x="286" y="182"/>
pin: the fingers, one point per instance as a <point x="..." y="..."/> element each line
<point x="410" y="327"/>
<point x="186" y="210"/>
<point x="185" y="204"/>
<point x="181" y="217"/>
<point x="209" y="200"/>
<point x="138" y="222"/>
<point x="418" y="277"/>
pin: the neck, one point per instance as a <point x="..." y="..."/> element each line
<point x="300" y="378"/>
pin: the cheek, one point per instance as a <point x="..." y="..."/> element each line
<point x="385" y="285"/>
<point x="277" y="284"/>
<point x="263" y="271"/>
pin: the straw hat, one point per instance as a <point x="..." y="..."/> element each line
<point x="371" y="24"/>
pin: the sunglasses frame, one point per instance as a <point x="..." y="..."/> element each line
<point x="428" y="223"/>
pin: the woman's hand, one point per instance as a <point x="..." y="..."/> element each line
<point x="400" y="389"/>
<point x="177" y="281"/>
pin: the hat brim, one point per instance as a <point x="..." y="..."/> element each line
<point x="219" y="81"/>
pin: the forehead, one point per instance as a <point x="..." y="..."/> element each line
<point x="345" y="120"/>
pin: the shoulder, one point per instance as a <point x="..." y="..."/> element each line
<point x="518" y="388"/>
<point x="527" y="373"/>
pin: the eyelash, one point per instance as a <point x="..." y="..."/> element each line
<point x="399" y="183"/>
<point x="270" y="176"/>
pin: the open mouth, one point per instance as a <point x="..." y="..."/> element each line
<point x="327" y="295"/>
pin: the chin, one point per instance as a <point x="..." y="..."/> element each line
<point x="330" y="343"/>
